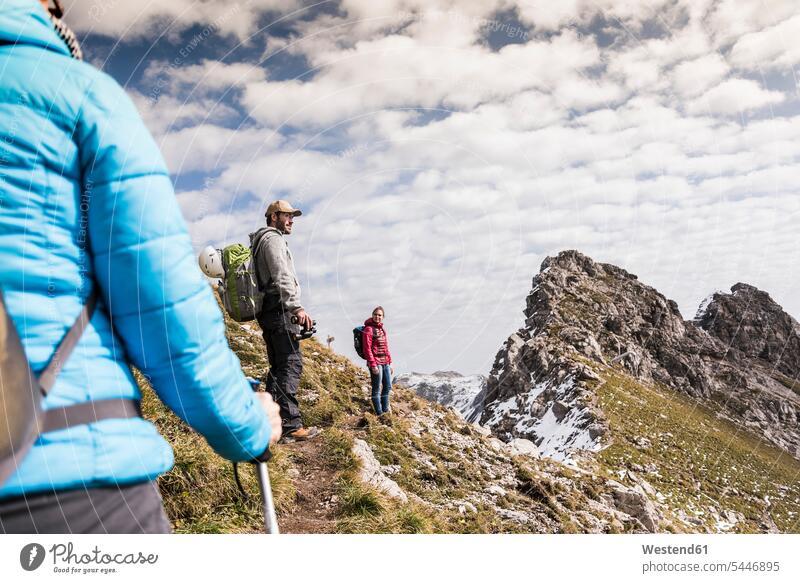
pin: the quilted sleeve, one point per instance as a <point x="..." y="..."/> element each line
<point x="161" y="307"/>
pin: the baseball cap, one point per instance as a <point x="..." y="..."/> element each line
<point x="282" y="206"/>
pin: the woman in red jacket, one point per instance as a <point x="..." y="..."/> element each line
<point x="376" y="349"/>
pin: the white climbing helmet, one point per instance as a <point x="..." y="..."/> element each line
<point x="210" y="262"/>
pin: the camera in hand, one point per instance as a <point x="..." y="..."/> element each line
<point x="298" y="332"/>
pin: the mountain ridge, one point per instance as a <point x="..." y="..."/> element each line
<point x="580" y="313"/>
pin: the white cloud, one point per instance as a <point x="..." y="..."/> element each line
<point x="450" y="23"/>
<point x="776" y="46"/>
<point x="580" y="93"/>
<point x="210" y="148"/>
<point x="642" y="64"/>
<point x="226" y="227"/>
<point x="550" y="16"/>
<point x="400" y="71"/>
<point x="734" y="96"/>
<point x="693" y="77"/>
<point x="134" y="20"/>
<point x="162" y="112"/>
<point x="732" y="19"/>
<point x="637" y="69"/>
<point x="530" y="110"/>
<point x="307" y="175"/>
<point x="195" y="81"/>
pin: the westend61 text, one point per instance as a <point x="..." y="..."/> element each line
<point x="65" y="554"/>
<point x="674" y="550"/>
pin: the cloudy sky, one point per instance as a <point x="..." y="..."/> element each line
<point x="441" y="149"/>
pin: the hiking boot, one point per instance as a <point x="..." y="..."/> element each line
<point x="385" y="418"/>
<point x="302" y="434"/>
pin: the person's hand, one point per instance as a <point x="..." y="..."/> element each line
<point x="373" y="370"/>
<point x="303" y="319"/>
<point x="391" y="371"/>
<point x="273" y="412"/>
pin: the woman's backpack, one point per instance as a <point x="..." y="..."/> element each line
<point x="358" y="340"/>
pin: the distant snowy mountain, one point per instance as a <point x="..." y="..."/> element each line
<point x="463" y="393"/>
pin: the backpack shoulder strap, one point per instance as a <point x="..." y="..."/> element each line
<point x="254" y="252"/>
<point x="89" y="411"/>
<point x="254" y="248"/>
<point x="48" y="377"/>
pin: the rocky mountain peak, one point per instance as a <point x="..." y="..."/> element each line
<point x="573" y="261"/>
<point x="582" y="315"/>
<point x="606" y="313"/>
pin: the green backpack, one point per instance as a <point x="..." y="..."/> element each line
<point x="239" y="288"/>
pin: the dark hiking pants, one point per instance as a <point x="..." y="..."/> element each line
<point x="285" y="366"/>
<point x="129" y="509"/>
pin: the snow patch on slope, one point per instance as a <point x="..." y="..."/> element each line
<point x="701" y="310"/>
<point x="561" y="430"/>
<point x="559" y="439"/>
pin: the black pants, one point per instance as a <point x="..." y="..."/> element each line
<point x="285" y="366"/>
<point x="135" y="509"/>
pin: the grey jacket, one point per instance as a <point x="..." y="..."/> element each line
<point x="275" y="270"/>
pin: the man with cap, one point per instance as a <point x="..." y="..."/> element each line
<point x="277" y="279"/>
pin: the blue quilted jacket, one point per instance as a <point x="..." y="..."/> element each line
<point x="69" y="136"/>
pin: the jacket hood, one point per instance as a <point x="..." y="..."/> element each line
<point x="255" y="238"/>
<point x="24" y="22"/>
<point x="373" y="323"/>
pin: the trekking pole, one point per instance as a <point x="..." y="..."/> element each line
<point x="267" y="502"/>
<point x="270" y="519"/>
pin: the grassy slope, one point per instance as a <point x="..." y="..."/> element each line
<point x="705" y="464"/>
<point x="200" y="494"/>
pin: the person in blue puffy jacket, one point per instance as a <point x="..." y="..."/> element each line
<point x="87" y="209"/>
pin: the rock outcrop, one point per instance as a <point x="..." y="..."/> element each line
<point x="753" y="326"/>
<point x="371" y="472"/>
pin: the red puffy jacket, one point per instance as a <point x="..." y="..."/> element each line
<point x="376" y="350"/>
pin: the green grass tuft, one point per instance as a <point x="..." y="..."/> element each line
<point x="357" y="499"/>
<point x="338" y="448"/>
